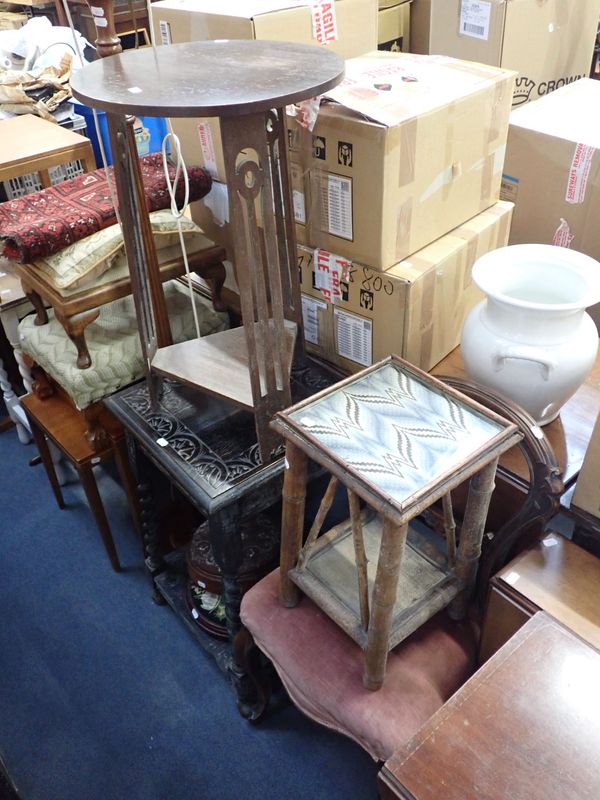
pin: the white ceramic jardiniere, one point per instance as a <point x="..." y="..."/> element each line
<point x="531" y="339"/>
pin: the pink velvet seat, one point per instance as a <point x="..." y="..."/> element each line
<point x="321" y="669"/>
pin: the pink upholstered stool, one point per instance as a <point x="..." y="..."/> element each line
<point x="321" y="668"/>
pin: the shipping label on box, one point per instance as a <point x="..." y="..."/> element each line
<point x="550" y="44"/>
<point x="416" y="309"/>
<point x="405" y="149"/>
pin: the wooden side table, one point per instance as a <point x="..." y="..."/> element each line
<point x="398" y="440"/>
<point x="36" y="145"/>
<point x="526" y="726"/>
<point x="56" y="419"/>
<point x="250" y="366"/>
<point x="555" y="576"/>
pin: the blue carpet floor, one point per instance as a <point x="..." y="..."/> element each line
<point x="105" y="695"/>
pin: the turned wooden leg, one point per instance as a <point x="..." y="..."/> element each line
<point x="95" y="433"/>
<point x="292" y="521"/>
<point x="41" y="315"/>
<point x="42" y="445"/>
<point x="471" y="536"/>
<point x="88" y="481"/>
<point x="382" y="602"/>
<point x="75" y="329"/>
<point x="254" y="692"/>
<point x="128" y="481"/>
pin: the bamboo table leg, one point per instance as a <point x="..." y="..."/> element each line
<point x="292" y="521"/>
<point x="469" y="548"/>
<point x="382" y="604"/>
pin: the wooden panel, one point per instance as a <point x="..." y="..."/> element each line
<point x="526" y="726"/>
<point x="503" y="618"/>
<point x="560" y="578"/>
<point x="37" y="144"/>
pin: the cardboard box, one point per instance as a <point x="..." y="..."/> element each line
<point x="393" y="28"/>
<point x="548" y="42"/>
<point x="355" y="315"/>
<point x="176" y="21"/>
<point x="552" y="169"/>
<point x="408" y="148"/>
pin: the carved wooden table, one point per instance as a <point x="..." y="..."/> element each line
<point x="247" y="84"/>
<point x="399" y="440"/>
<point x="526" y="726"/>
<point x="208" y="450"/>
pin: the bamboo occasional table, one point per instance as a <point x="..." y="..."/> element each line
<point x="399" y="440"/>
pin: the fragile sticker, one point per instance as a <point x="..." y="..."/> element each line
<point x="579" y="173"/>
<point x="475" y="19"/>
<point x="324" y="23"/>
<point x="208" y="149"/>
<point x="329" y="271"/>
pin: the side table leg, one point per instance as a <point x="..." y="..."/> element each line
<point x="382" y="603"/>
<point x="471" y="536"/>
<point x="292" y="520"/>
<point x="88" y="481"/>
<point x="47" y="461"/>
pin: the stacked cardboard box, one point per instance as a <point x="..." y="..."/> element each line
<point x="548" y="42"/>
<point x="393" y="26"/>
<point x="389" y="190"/>
<point x="351" y="30"/>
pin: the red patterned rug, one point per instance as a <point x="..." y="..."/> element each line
<point x="42" y="223"/>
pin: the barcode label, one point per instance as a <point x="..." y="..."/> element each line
<point x="165" y="32"/>
<point x="354" y="337"/>
<point x="310" y="318"/>
<point x="475" y="19"/>
<point x="339" y="207"/>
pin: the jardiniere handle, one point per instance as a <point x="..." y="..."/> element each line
<point x="524" y="353"/>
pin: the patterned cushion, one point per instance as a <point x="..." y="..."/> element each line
<point x="87" y="259"/>
<point x="113" y="343"/>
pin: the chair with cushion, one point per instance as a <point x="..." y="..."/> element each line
<point x="86" y="275"/>
<point x="68" y="409"/>
<point x="321" y="667"/>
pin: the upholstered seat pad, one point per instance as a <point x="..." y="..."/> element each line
<point x="322" y="668"/>
<point x="113" y="343"/>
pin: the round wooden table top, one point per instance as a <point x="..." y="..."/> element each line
<point x="212" y="78"/>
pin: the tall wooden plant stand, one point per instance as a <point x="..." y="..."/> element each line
<point x="399" y="440"/>
<point x="247" y="85"/>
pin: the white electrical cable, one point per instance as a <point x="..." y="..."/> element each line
<point x="180" y="167"/>
<point x="96" y="123"/>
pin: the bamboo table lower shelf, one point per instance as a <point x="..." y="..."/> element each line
<point x="426" y="578"/>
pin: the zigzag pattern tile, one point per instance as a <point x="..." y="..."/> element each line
<point x="395" y="430"/>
